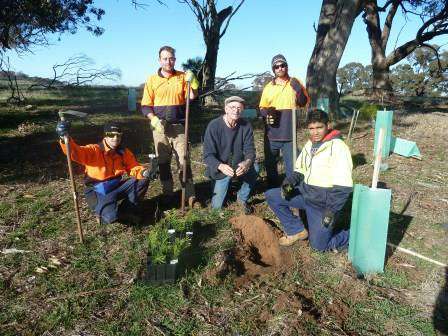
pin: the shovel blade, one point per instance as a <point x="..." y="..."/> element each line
<point x="368" y="229"/>
<point x="79" y="114"/>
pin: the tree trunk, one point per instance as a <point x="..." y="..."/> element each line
<point x="381" y="86"/>
<point x="335" y="25"/>
<point x="209" y="69"/>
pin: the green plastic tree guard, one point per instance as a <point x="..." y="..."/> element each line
<point x="132" y="100"/>
<point x="384" y="120"/>
<point x="368" y="229"/>
<point x="249" y="113"/>
<point x="405" y="148"/>
<point x="323" y="104"/>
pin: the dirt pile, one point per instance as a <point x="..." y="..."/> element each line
<point x="256" y="252"/>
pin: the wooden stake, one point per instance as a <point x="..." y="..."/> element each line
<point x="376" y="167"/>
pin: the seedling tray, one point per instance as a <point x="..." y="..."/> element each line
<point x="161" y="273"/>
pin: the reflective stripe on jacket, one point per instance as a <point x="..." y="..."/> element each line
<point x="165" y="96"/>
<point x="327" y="174"/>
<point x="102" y="163"/>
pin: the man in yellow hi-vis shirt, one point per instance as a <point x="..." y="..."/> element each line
<point x="163" y="103"/>
<point x="280" y="96"/>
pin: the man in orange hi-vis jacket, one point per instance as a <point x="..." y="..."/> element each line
<point x="111" y="174"/>
<point x="163" y="103"/>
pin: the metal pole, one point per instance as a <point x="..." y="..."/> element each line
<point x="72" y="181"/>
<point x="184" y="172"/>
<point x="294" y="137"/>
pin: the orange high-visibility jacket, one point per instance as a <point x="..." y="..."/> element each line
<point x="102" y="163"/>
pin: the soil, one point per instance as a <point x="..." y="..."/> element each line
<point x="256" y="252"/>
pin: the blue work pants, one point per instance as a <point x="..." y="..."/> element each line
<point x="106" y="206"/>
<point x="320" y="237"/>
<point x="221" y="187"/>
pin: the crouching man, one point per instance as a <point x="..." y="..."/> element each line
<point x="112" y="174"/>
<point x="229" y="152"/>
<point x="321" y="184"/>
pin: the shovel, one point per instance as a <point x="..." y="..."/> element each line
<point x="370" y="221"/>
<point x="186" y="154"/>
<point x="70" y="170"/>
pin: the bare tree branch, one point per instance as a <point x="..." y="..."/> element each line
<point x="388" y="22"/>
<point x="75" y="71"/>
<point x="230" y="17"/>
<point x="16" y="95"/>
<point x="223" y="81"/>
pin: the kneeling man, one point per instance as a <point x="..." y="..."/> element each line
<point x="229" y="152"/>
<point x="321" y="184"/>
<point x="111" y="174"/>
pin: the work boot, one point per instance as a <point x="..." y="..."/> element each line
<point x="289" y="240"/>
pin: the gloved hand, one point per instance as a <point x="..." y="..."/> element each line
<point x="156" y="125"/>
<point x="328" y="219"/>
<point x="62" y="128"/>
<point x="190" y="77"/>
<point x="287" y="190"/>
<point x="289" y="184"/>
<point x="272" y="116"/>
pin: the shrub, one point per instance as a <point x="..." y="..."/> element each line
<point x="368" y="111"/>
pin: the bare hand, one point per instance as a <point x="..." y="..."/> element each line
<point x="226" y="169"/>
<point x="243" y="167"/>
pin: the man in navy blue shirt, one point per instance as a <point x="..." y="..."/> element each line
<point x="229" y="152"/>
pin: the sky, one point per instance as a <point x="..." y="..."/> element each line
<point x="258" y="31"/>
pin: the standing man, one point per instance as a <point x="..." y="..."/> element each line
<point x="321" y="184"/>
<point x="229" y="152"/>
<point x="163" y="103"/>
<point x="112" y="174"/>
<point x="280" y="96"/>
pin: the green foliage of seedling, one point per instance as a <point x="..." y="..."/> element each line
<point x="368" y="111"/>
<point x="178" y="246"/>
<point x="172" y="220"/>
<point x="158" y="245"/>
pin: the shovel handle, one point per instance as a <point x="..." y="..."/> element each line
<point x="377" y="164"/>
<point x="184" y="167"/>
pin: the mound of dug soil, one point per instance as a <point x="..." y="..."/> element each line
<point x="256" y="253"/>
<point x="258" y="235"/>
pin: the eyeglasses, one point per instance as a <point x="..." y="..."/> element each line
<point x="113" y="134"/>
<point x="278" y="66"/>
<point x="234" y="108"/>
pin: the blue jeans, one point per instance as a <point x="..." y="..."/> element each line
<point x="272" y="156"/>
<point x="106" y="206"/>
<point x="221" y="187"/>
<point x="320" y="237"/>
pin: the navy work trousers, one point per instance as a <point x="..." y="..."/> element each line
<point x="320" y="237"/>
<point x="106" y="206"/>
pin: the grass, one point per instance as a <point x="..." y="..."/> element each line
<point x="96" y="288"/>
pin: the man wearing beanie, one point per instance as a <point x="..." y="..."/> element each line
<point x="112" y="174"/>
<point x="280" y="96"/>
<point x="229" y="154"/>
